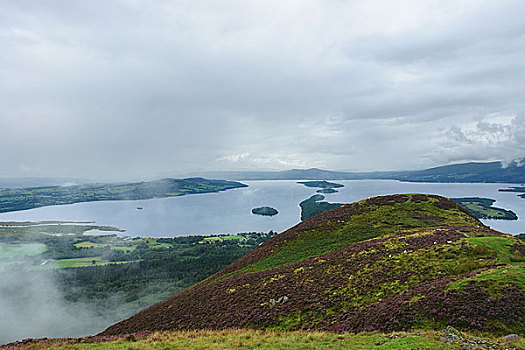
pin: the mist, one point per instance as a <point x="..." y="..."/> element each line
<point x="32" y="305"/>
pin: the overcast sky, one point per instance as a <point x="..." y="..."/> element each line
<point x="143" y="89"/>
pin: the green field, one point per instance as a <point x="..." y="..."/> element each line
<point x="78" y="262"/>
<point x="117" y="246"/>
<point x="222" y="238"/>
<point x="10" y="251"/>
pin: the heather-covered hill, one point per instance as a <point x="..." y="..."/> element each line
<point x="386" y="263"/>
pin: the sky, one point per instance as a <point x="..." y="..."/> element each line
<point x="144" y="89"/>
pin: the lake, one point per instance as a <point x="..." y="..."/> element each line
<point x="230" y="211"/>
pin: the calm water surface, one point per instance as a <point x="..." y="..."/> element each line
<point x="230" y="211"/>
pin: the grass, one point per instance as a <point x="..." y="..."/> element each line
<point x="378" y="220"/>
<point x="495" y="246"/>
<point x="83" y="262"/>
<point x="249" y="339"/>
<point x="495" y="278"/>
<point x="222" y="238"/>
<point x="87" y="244"/>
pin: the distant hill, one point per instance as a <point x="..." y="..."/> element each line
<point x="466" y="172"/>
<point x="387" y="263"/>
<point x="13" y="199"/>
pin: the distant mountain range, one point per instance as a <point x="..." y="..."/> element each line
<point x="465" y="172"/>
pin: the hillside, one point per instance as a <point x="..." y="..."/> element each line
<point x="387" y="263"/>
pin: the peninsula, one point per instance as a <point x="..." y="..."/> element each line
<point x="14" y="199"/>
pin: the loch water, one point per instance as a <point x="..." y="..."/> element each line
<point x="230" y="211"/>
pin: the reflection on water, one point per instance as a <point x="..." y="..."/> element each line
<point x="230" y="211"/>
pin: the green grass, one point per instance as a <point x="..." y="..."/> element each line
<point x="269" y="340"/>
<point x="496" y="278"/>
<point x="11" y="250"/>
<point x="211" y="239"/>
<point x="222" y="238"/>
<point x="87" y="244"/>
<point x="234" y="237"/>
<point x="83" y="262"/>
<point x="495" y="246"/>
<point x="377" y="220"/>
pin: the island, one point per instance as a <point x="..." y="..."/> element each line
<point x="265" y="211"/>
<point x="14" y="199"/>
<point x="482" y="208"/>
<point x="325" y="186"/>
<point x="326" y="190"/>
<point x="314" y="206"/>
<point x="517" y="189"/>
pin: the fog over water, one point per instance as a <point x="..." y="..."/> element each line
<point x="230" y="211"/>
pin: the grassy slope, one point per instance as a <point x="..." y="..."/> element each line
<point x="387" y="263"/>
<point x="251" y="339"/>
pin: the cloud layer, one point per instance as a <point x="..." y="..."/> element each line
<point x="130" y="89"/>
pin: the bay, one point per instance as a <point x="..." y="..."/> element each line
<point x="230" y="211"/>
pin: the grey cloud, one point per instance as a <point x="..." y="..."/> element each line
<point x="139" y="89"/>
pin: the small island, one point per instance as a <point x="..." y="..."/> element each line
<point x="483" y="209"/>
<point x="326" y="190"/>
<point x="517" y="189"/>
<point x="265" y="211"/>
<point x="325" y="186"/>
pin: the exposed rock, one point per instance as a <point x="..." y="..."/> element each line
<point x="511" y="337"/>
